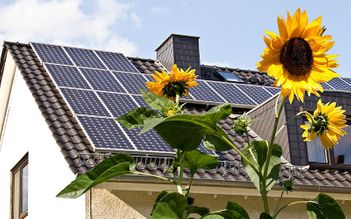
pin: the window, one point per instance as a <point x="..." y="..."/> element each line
<point x="341" y="154"/>
<point x="229" y="76"/>
<point x="19" y="194"/>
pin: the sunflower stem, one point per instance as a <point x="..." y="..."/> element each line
<point x="177" y="99"/>
<point x="264" y="191"/>
<point x="180" y="172"/>
<point x="289" y="120"/>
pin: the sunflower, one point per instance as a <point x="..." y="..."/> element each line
<point x="326" y="123"/>
<point x="176" y="82"/>
<point x="296" y="57"/>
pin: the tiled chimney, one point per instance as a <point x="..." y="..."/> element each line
<point x="181" y="50"/>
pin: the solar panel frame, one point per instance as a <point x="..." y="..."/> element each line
<point x="225" y="88"/>
<point x="51" y="53"/>
<point x="66" y="76"/>
<point x="102" y="80"/>
<point x="84" y="102"/>
<point x="347" y="80"/>
<point x="84" y="58"/>
<point x="116" y="61"/>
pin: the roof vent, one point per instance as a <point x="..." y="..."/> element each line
<point x="181" y="50"/>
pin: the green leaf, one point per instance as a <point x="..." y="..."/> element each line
<point x="195" y="160"/>
<point x="192" y="129"/>
<point x="116" y="165"/>
<point x="136" y="117"/>
<point x="324" y="207"/>
<point x="198" y="210"/>
<point x="170" y="206"/>
<point x="232" y="206"/>
<point x="157" y="102"/>
<point x="159" y="197"/>
<point x="233" y="211"/>
<point x="256" y="152"/>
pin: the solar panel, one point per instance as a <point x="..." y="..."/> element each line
<point x="327" y="86"/>
<point x="203" y="92"/>
<point x="231" y="93"/>
<point x="339" y="84"/>
<point x="149" y="141"/>
<point x="118" y="104"/>
<point x="102" y="80"/>
<point x="117" y="61"/>
<point x="84" y="58"/>
<point x="272" y="90"/>
<point x="348" y="80"/>
<point x="140" y="101"/>
<point x="51" y="54"/>
<point x="105" y="133"/>
<point x="258" y="94"/>
<point x="67" y="76"/>
<point x="84" y="102"/>
<point x="132" y="82"/>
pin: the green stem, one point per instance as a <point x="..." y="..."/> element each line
<point x="177" y="99"/>
<point x="155" y="176"/>
<point x="288" y="205"/>
<point x="279" y="201"/>
<point x="264" y="191"/>
<point x="243" y="157"/>
<point x="282" y="127"/>
<point x="180" y="173"/>
<point x="190" y="184"/>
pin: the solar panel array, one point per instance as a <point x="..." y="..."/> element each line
<point x="100" y="86"/>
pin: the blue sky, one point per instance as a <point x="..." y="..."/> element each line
<point x="230" y="31"/>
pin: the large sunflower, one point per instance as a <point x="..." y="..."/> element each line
<point x="326" y="123"/>
<point x="176" y="82"/>
<point x="296" y="57"/>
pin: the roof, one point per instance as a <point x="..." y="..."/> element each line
<point x="80" y="157"/>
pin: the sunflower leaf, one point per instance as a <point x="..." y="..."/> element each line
<point x="195" y="160"/>
<point x="117" y="165"/>
<point x="157" y="102"/>
<point x="170" y="206"/>
<point x="324" y="207"/>
<point x="256" y="152"/>
<point x="136" y="117"/>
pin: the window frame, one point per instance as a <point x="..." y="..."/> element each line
<point x="331" y="161"/>
<point x="16" y="189"/>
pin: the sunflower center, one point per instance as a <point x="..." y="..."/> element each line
<point x="296" y="56"/>
<point x="172" y="89"/>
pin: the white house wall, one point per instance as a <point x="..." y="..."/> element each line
<point x="27" y="131"/>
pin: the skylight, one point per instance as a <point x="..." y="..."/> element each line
<point x="229" y="76"/>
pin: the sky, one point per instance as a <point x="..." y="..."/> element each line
<point x="230" y="31"/>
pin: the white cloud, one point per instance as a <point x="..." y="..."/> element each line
<point x="65" y="22"/>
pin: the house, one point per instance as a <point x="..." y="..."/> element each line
<point x="57" y="112"/>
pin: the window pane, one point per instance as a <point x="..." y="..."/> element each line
<point x="24" y="189"/>
<point x="316" y="152"/>
<point x="342" y="151"/>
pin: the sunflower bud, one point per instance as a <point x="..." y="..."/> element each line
<point x="241" y="124"/>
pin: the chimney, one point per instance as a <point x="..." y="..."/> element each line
<point x="181" y="50"/>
